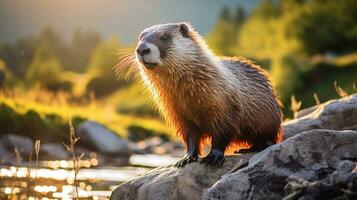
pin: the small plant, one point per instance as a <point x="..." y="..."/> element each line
<point x="18" y="162"/>
<point x="295" y="105"/>
<point x="71" y="148"/>
<point x="29" y="168"/>
<point x="339" y="90"/>
<point x="317" y="99"/>
<point x="37" y="153"/>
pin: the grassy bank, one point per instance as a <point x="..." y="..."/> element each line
<point x="42" y="114"/>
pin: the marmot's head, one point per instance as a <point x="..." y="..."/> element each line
<point x="166" y="45"/>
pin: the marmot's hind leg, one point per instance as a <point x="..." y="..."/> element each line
<point x="256" y="147"/>
<point x="215" y="157"/>
<point x="259" y="144"/>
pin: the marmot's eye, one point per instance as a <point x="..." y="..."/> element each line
<point x="164" y="37"/>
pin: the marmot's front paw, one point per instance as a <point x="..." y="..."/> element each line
<point x="185" y="160"/>
<point x="215" y="158"/>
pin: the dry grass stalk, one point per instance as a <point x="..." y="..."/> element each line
<point x="295" y="105"/>
<point x="71" y="148"/>
<point x="37" y="153"/>
<point x="18" y="162"/>
<point x="29" y="167"/>
<point x="317" y="99"/>
<point x="339" y="90"/>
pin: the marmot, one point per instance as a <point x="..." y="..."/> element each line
<point x="229" y="100"/>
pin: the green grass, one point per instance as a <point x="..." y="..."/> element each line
<point x="133" y="99"/>
<point x="321" y="78"/>
<point x="41" y="114"/>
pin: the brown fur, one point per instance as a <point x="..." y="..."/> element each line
<point x="197" y="96"/>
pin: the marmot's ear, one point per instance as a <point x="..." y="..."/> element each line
<point x="184" y="29"/>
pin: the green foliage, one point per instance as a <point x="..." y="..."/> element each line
<point x="7" y="78"/>
<point x="286" y="75"/>
<point x="326" y="26"/>
<point x="19" y="55"/>
<point x="100" y="68"/>
<point x="289" y="33"/>
<point x="80" y="50"/>
<point x="133" y="100"/>
<point x="45" y="69"/>
<point x="223" y="37"/>
<point x="72" y="56"/>
<point x="137" y="133"/>
<point x="320" y="80"/>
<point x="12" y="121"/>
<point x="239" y="18"/>
<point x="42" y="114"/>
<point x="266" y="9"/>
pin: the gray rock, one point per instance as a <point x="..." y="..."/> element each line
<point x="12" y="141"/>
<point x="3" y="153"/>
<point x="53" y="151"/>
<point x="97" y="137"/>
<point x="310" y="156"/>
<point x="305" y="111"/>
<point x="311" y="163"/>
<point x="341" y="185"/>
<point x="172" y="183"/>
<point x="338" y="114"/>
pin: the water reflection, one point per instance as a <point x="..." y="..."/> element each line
<point x="55" y="179"/>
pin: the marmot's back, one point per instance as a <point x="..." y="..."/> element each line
<point x="257" y="98"/>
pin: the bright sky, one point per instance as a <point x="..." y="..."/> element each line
<point x="125" y="18"/>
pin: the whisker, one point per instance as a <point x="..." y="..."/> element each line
<point x="127" y="64"/>
<point x="119" y="51"/>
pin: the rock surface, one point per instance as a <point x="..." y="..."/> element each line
<point x="12" y="141"/>
<point x="302" y="166"/>
<point x="311" y="163"/>
<point x="338" y="114"/>
<point x="53" y="151"/>
<point x="97" y="137"/>
<point x="310" y="156"/>
<point x="171" y="183"/>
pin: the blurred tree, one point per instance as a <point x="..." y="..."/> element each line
<point x="102" y="77"/>
<point x="54" y="41"/>
<point x="45" y="69"/>
<point x="7" y="78"/>
<point x="290" y="32"/>
<point x="286" y="75"/>
<point x="324" y="26"/>
<point x="267" y="9"/>
<point x="223" y="38"/>
<point x="18" y="56"/>
<point x="239" y="16"/>
<point x="80" y="50"/>
<point x="225" y="14"/>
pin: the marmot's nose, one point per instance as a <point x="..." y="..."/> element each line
<point x="142" y="49"/>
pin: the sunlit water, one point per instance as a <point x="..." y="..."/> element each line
<point x="55" y="179"/>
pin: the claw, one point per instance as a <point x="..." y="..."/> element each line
<point x="185" y="160"/>
<point x="215" y="158"/>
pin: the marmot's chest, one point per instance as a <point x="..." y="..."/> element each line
<point x="201" y="101"/>
<point x="199" y="106"/>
